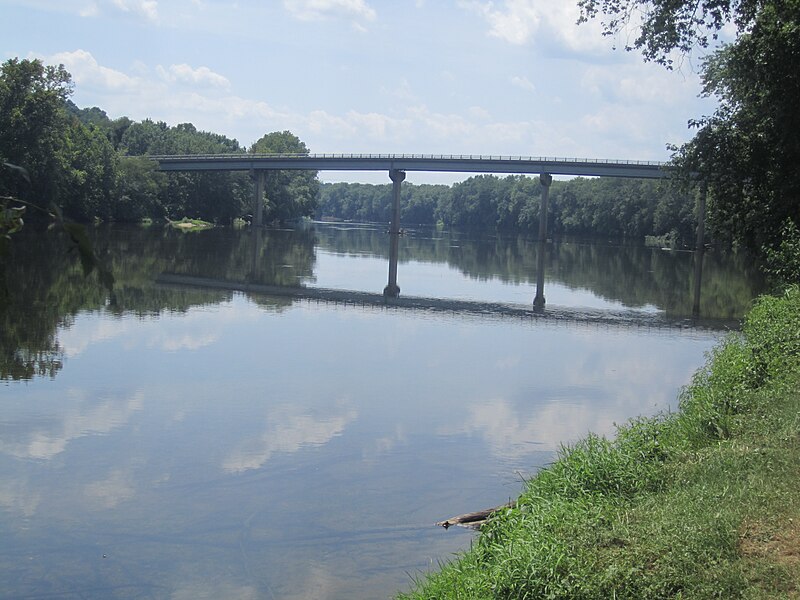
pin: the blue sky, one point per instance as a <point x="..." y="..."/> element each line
<point x="510" y="77"/>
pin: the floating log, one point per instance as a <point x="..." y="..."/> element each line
<point x="473" y="520"/>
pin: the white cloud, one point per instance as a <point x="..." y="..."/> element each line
<point x="201" y="76"/>
<point x="521" y="22"/>
<point x="135" y="10"/>
<point x="611" y="121"/>
<point x="288" y="430"/>
<point x="86" y="71"/>
<point x="523" y="83"/>
<point x="640" y="84"/>
<point x="312" y="10"/>
<point x="475" y="131"/>
<point x="90" y="10"/>
<point x="515" y="23"/>
<point x="146" y="9"/>
<point x="480" y="113"/>
<point x="356" y="125"/>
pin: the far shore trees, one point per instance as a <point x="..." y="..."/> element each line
<point x="81" y="162"/>
<point x="289" y="194"/>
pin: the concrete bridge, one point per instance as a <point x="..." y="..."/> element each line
<point x="398" y="164"/>
<point x="448" y="163"/>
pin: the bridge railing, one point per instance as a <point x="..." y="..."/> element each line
<point x="438" y="157"/>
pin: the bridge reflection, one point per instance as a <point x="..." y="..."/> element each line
<point x="252" y="280"/>
<point x="553" y="314"/>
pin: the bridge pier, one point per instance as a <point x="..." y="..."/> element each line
<point x="538" y="302"/>
<point x="392" y="290"/>
<point x="259" y="178"/>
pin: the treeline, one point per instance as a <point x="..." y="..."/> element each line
<point x="631" y="208"/>
<point x="91" y="166"/>
<point x="95" y="168"/>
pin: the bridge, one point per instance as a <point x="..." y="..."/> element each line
<point x="398" y="164"/>
<point x="449" y="163"/>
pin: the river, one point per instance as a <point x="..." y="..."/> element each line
<point x="184" y="441"/>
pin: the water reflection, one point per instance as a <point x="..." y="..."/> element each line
<point x="288" y="429"/>
<point x="305" y="452"/>
<point x="214" y="443"/>
<point x="623" y="276"/>
<point x="82" y="418"/>
<point x="47" y="288"/>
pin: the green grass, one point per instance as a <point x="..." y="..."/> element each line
<point x="700" y="503"/>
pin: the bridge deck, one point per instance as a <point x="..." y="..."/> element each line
<point x="462" y="163"/>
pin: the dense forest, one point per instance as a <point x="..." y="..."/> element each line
<point x="94" y="168"/>
<point x="632" y="208"/>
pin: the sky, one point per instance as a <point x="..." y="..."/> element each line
<point x="509" y="77"/>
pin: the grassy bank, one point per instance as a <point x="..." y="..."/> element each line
<point x="701" y="503"/>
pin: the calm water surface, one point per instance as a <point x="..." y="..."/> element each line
<point x="181" y="442"/>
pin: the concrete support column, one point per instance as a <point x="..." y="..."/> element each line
<point x="392" y="290"/>
<point x="700" y="248"/>
<point x="545" y="179"/>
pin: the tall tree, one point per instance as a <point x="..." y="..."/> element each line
<point x="748" y="151"/>
<point x="33" y="125"/>
<point x="289" y="194"/>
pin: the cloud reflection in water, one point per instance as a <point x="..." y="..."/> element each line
<point x="46" y="442"/>
<point x="288" y="430"/>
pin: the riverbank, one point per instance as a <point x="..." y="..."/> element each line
<point x="700" y="503"/>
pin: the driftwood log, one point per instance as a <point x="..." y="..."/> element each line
<point x="473" y="520"/>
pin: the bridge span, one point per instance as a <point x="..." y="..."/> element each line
<point x="398" y="164"/>
<point x="448" y="163"/>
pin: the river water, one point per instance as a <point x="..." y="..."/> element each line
<point x="184" y="441"/>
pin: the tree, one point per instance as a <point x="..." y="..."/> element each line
<point x="666" y="26"/>
<point x="88" y="173"/>
<point x="289" y="194"/>
<point x="138" y="186"/>
<point x="748" y="151"/>
<point x="218" y="197"/>
<point x="33" y="126"/>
